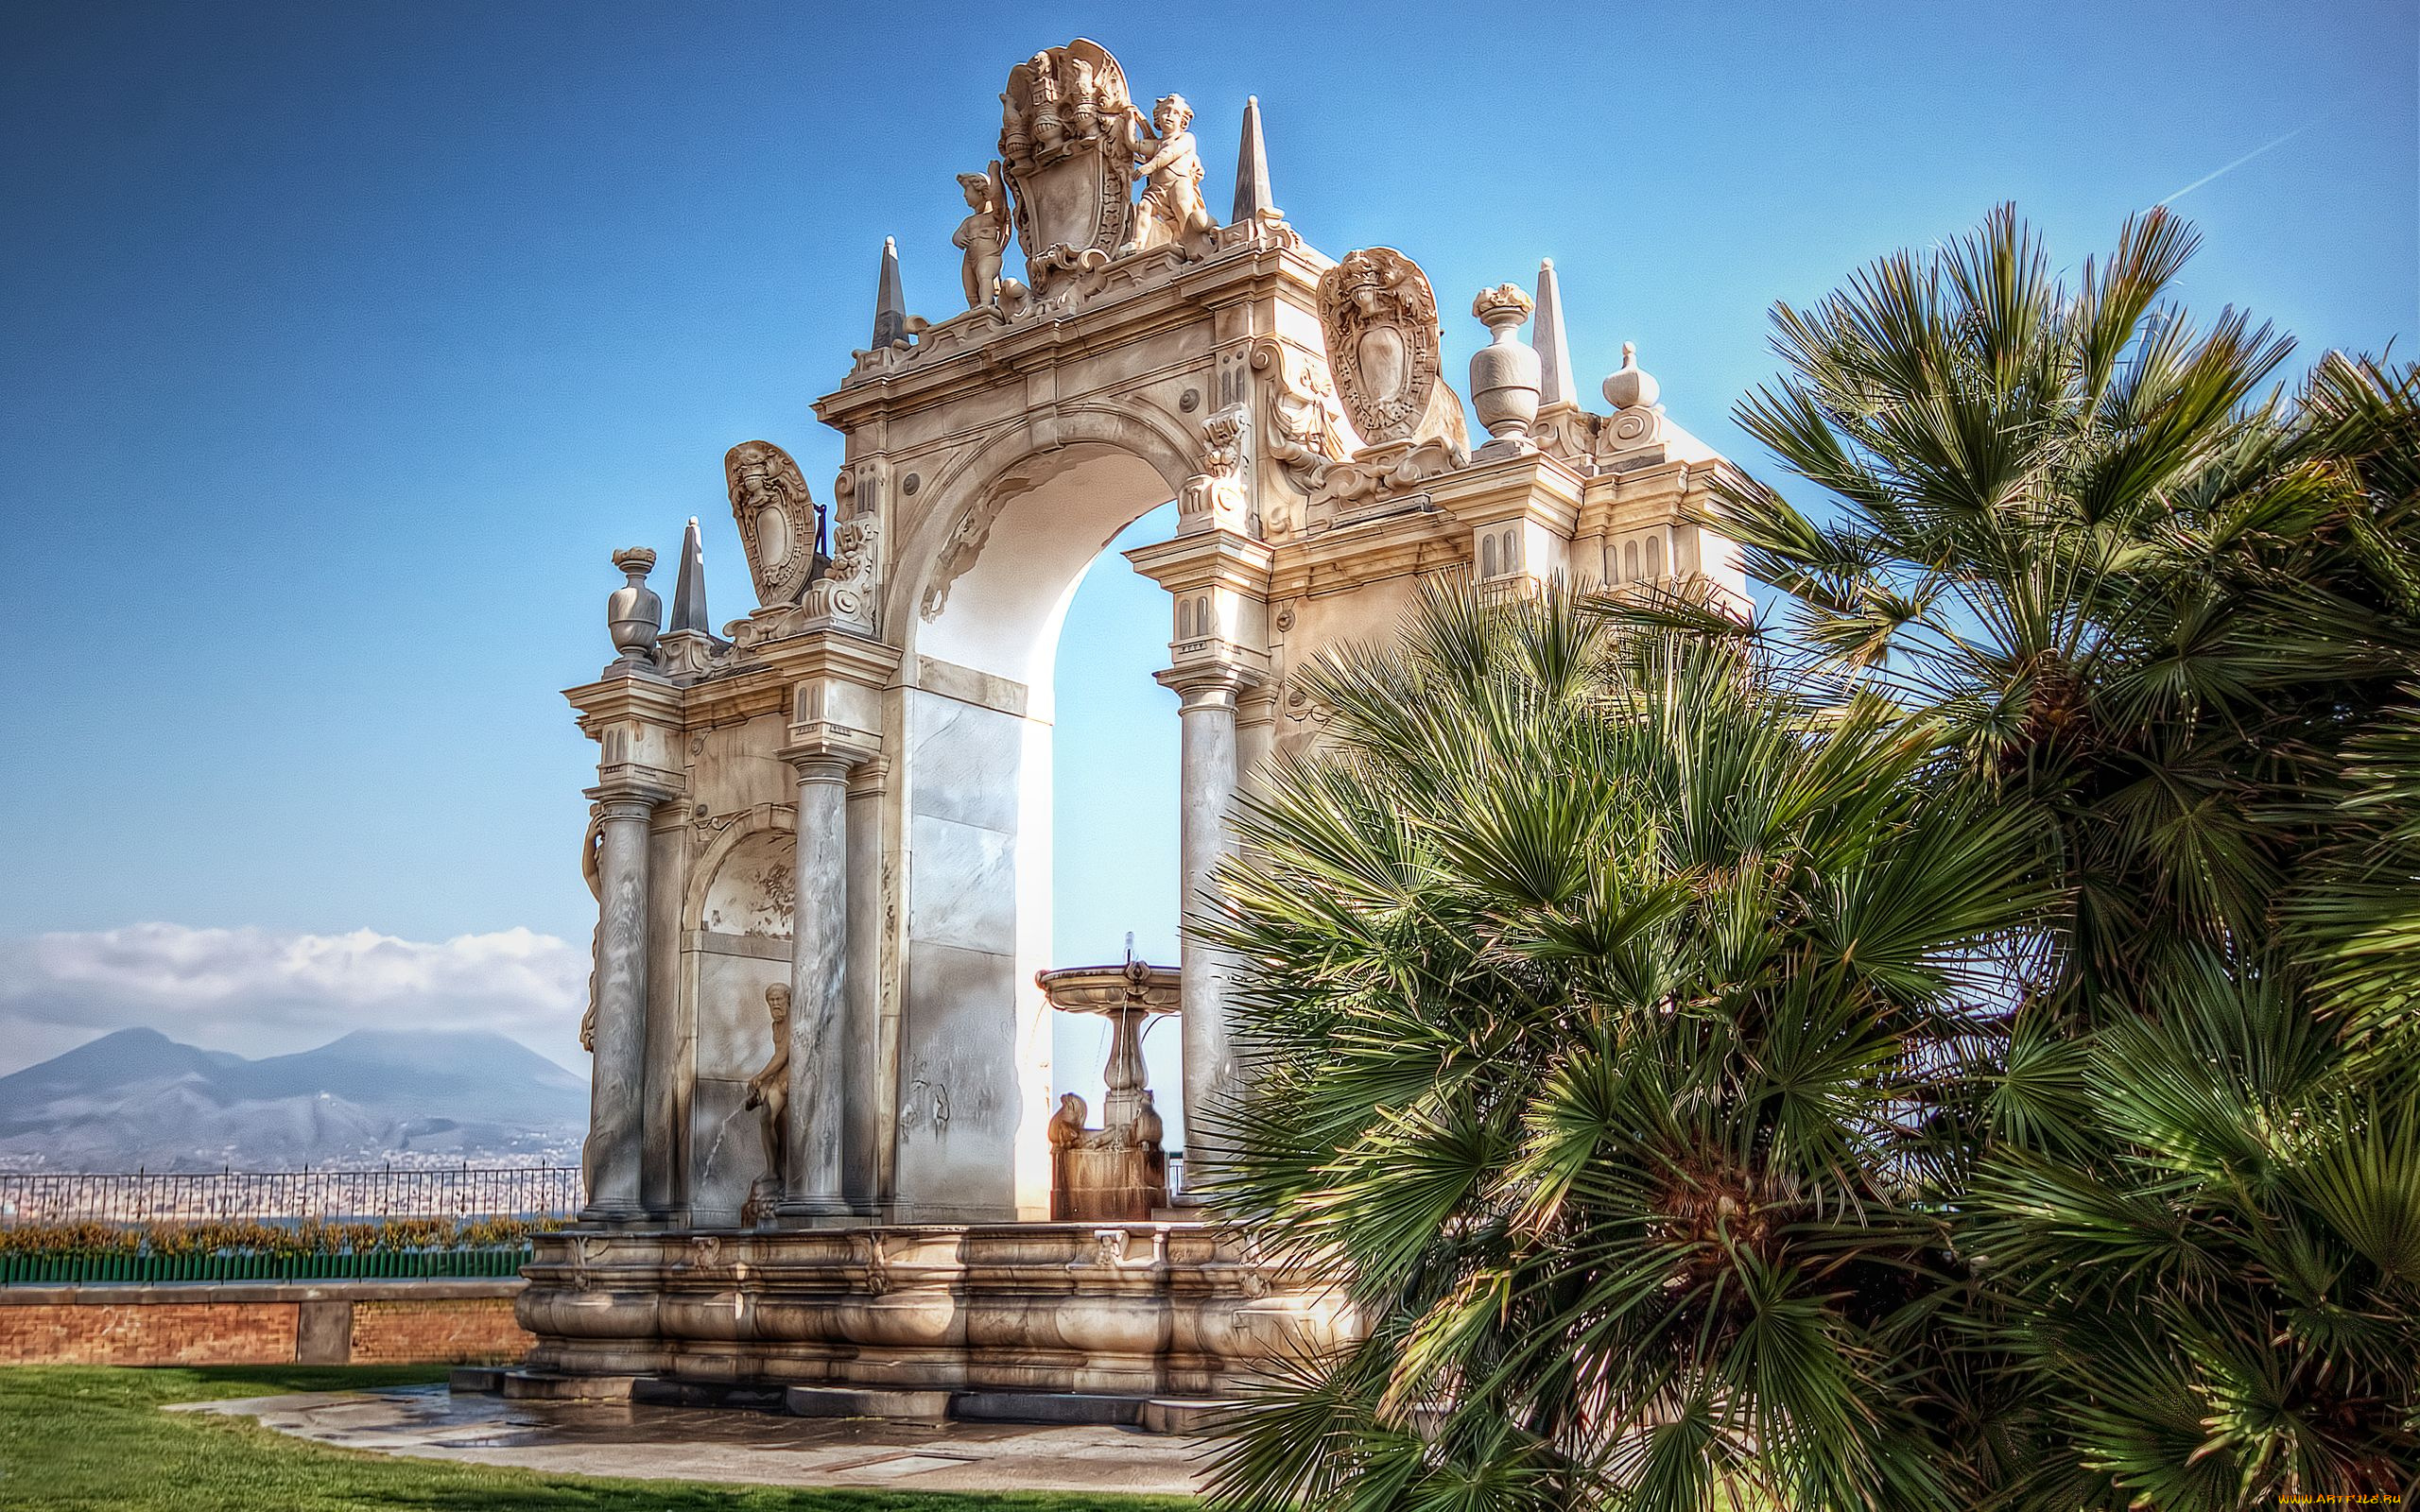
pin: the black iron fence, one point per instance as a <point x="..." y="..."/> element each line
<point x="280" y="1196"/>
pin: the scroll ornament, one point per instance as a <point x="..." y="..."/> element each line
<point x="1298" y="423"/>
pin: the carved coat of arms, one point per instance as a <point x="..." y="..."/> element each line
<point x="1069" y="133"/>
<point x="1379" y="317"/>
<point x="780" y="524"/>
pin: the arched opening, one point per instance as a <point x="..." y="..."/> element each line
<point x="1114" y="827"/>
<point x="974" y="1038"/>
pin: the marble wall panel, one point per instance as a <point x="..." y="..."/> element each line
<point x="964" y="886"/>
<point x="958" y="1087"/>
<point x="734" y="1029"/>
<point x="733" y="768"/>
<point x="965" y="760"/>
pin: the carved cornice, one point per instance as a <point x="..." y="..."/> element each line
<point x="1211" y="559"/>
<point x="648" y="699"/>
<point x="627" y="785"/>
<point x="1627" y="500"/>
<point x="830" y="653"/>
<point x="824" y="753"/>
<point x="760" y="681"/>
<point x="1372" y="551"/>
<point x="973" y="363"/>
<point x="1530" y="486"/>
<point x="1211" y="683"/>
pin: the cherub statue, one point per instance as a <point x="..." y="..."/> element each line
<point x="983" y="235"/>
<point x="1122" y="126"/>
<point x="770" y="1089"/>
<point x="1171" y="211"/>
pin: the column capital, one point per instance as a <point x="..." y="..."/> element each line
<point x="1207" y="684"/>
<point x="869" y="776"/>
<point x="626" y="799"/>
<point x="822" y="758"/>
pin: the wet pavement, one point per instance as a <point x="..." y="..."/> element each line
<point x="637" y="1442"/>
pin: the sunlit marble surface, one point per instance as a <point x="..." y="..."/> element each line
<point x="700" y="1444"/>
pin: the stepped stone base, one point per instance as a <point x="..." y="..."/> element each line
<point x="546" y="1385"/>
<point x="1032" y="1322"/>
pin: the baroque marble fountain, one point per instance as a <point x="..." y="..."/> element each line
<point x="819" y="837"/>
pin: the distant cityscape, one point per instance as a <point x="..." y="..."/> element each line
<point x="396" y="1101"/>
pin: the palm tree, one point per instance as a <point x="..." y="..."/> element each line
<point x="2216" y="1302"/>
<point x="1598" y="983"/>
<point x="2172" y="619"/>
<point x="2152" y="601"/>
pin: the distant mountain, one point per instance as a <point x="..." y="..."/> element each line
<point x="138" y="1098"/>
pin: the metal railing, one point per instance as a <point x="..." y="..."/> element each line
<point x="273" y="1197"/>
<point x="131" y="1267"/>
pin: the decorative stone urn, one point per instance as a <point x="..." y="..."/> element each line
<point x="1504" y="373"/>
<point x="633" y="613"/>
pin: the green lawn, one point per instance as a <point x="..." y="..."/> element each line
<point x="72" y="1437"/>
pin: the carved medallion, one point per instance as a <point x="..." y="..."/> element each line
<point x="1069" y="132"/>
<point x="1380" y="319"/>
<point x="780" y="524"/>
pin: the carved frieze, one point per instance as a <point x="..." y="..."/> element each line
<point x="1376" y="472"/>
<point x="1379" y="317"/>
<point x="966" y="541"/>
<point x="692" y="655"/>
<point x="781" y="526"/>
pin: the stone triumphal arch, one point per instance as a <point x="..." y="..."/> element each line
<point x="845" y="797"/>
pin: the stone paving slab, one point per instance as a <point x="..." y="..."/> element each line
<point x="639" y="1442"/>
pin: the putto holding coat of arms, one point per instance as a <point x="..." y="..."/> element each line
<point x="1073" y="149"/>
<point x="1169" y="167"/>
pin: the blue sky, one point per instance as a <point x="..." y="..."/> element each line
<point x="341" y="346"/>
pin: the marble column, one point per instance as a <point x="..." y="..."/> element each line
<point x="867" y="1089"/>
<point x="618" y="1071"/>
<point x="1207" y="791"/>
<point x="819" y="990"/>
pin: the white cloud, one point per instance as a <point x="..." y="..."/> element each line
<point x="259" y="991"/>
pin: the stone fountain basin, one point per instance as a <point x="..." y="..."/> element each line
<point x="1107" y="989"/>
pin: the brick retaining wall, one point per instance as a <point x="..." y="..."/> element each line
<point x="456" y="1322"/>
